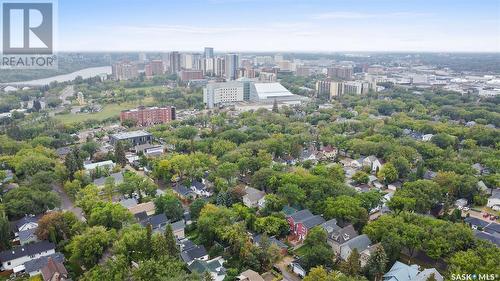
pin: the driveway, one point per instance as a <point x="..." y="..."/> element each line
<point x="66" y="203"/>
<point x="283" y="267"/>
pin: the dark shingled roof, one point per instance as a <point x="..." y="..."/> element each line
<point x="193" y="253"/>
<point x="26" y="250"/>
<point x="37" y="264"/>
<point x="301" y="216"/>
<point x="313" y="221"/>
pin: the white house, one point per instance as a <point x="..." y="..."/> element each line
<point x="14" y="259"/>
<point x="494" y="200"/>
<point x="26" y="223"/>
<point x="373" y="162"/>
<point x="427" y="137"/>
<point x="200" y="188"/>
<point x="254" y="197"/>
<point x="108" y="164"/>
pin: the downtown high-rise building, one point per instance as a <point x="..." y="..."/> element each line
<point x="232" y="65"/>
<point x="124" y="71"/>
<point x="209" y="53"/>
<point x="175" y="62"/>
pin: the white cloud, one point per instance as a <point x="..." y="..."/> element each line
<point x="358" y="15"/>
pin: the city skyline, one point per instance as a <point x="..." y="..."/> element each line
<point x="280" y="26"/>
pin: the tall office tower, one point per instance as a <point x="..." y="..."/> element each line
<point x="303" y="71"/>
<point x="209" y="52"/>
<point x="197" y="62"/>
<point x="220" y="67"/>
<point x="175" y="62"/>
<point x="340" y="72"/>
<point x="124" y="71"/>
<point x="187" y="61"/>
<point x="329" y="89"/>
<point x="208" y="66"/>
<point x="142" y="57"/>
<point x="232" y="65"/>
<point x="156" y="67"/>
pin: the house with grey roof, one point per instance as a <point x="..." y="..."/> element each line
<point x="14" y="259"/>
<point x="361" y="243"/>
<point x="214" y="266"/>
<point x="330" y="226"/>
<point x="198" y="252"/>
<point x="254" y="198"/>
<point x="117" y="178"/>
<point x="27" y="236"/>
<point x="339" y="237"/>
<point x="35" y="266"/>
<point x="403" y="272"/>
<point x="302" y="222"/>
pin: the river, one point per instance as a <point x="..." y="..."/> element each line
<point x="84" y="73"/>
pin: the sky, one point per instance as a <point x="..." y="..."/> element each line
<point x="279" y="25"/>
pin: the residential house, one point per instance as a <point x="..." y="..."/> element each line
<point x="461" y="203"/>
<point x="494" y="200"/>
<point x="14" y="259"/>
<point x="106" y="165"/>
<point x="194" y="253"/>
<point x="27" y="236"/>
<point x="117" y="178"/>
<point x="183" y="192"/>
<point x="273" y="241"/>
<point x="330" y="226"/>
<point x="254" y="198"/>
<point x="200" y="188"/>
<point x="35" y="266"/>
<point x="361" y="243"/>
<point x="214" y="266"/>
<point x="402" y="272"/>
<point x="328" y="153"/>
<point x="340" y="237"/>
<point x="297" y="268"/>
<point x="373" y="162"/>
<point x="25" y="223"/>
<point x="309" y="154"/>
<point x="158" y="223"/>
<point x="148" y="207"/>
<point x="178" y="229"/>
<point x="250" y="275"/>
<point x="54" y="271"/>
<point x="427" y="137"/>
<point x="302" y="222"/>
<point x="128" y="202"/>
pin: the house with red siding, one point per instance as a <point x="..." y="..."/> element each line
<point x="302" y="222"/>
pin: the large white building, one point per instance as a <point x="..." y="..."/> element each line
<point x="223" y="93"/>
<point x="229" y="93"/>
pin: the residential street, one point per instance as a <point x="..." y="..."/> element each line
<point x="287" y="275"/>
<point x="66" y="203"/>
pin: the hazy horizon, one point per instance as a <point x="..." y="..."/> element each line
<point x="279" y="26"/>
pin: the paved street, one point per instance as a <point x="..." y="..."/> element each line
<point x="66" y="203"/>
<point x="287" y="275"/>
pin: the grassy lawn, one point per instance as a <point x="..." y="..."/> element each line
<point x="109" y="110"/>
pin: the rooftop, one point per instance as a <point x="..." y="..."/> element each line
<point x="129" y="135"/>
<point x="271" y="90"/>
<point x="26" y="250"/>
